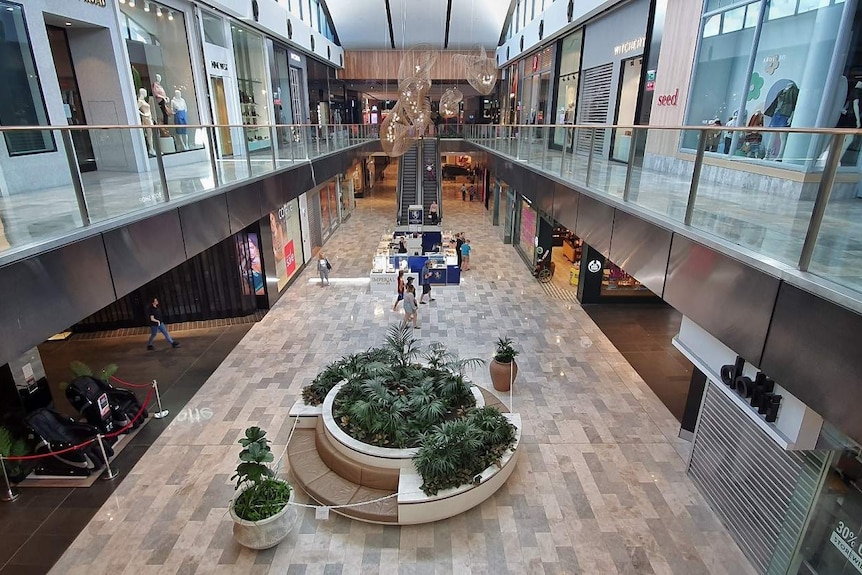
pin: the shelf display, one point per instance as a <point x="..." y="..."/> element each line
<point x="387" y="262"/>
<point x="615" y="281"/>
<point x="253" y="98"/>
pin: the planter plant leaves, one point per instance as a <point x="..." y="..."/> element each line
<point x="262" y="494"/>
<point x="401" y="396"/>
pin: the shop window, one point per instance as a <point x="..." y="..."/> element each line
<point x="567" y="87"/>
<point x="733" y="20"/>
<point x="780" y="9"/>
<point x="251" y="82"/>
<point x="213" y="30"/>
<point x="712" y="26"/>
<point x="159" y="58"/>
<point x="21" y="102"/>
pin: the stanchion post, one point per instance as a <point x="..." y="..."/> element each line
<point x="511" y="384"/>
<point x="8" y="494"/>
<point x="161" y="413"/>
<point x="109" y="473"/>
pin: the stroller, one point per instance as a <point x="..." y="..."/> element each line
<point x="55" y="432"/>
<point x="103" y="405"/>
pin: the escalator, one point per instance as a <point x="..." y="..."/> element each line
<point x="408" y="183"/>
<point x="431" y="176"/>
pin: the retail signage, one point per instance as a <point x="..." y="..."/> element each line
<point x="650" y="75"/>
<point x="758" y="391"/>
<point x="295" y="57"/>
<point x="414" y="215"/>
<point x="218" y="66"/>
<point x="630" y="46"/>
<point x="594" y="266"/>
<point x="845" y="539"/>
<point x="669" y="99"/>
<point x="99" y="3"/>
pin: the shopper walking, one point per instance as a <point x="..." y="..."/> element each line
<point x="434" y="212"/>
<point x="465" y="255"/>
<point x="154" y="312"/>
<point x="400" y="289"/>
<point x="463" y="192"/>
<point x="472" y="192"/>
<point x="459" y="241"/>
<point x="411" y="309"/>
<point x="427" y="274"/>
<point x="323" y="267"/>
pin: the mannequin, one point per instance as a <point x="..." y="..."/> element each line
<point x="781" y="113"/>
<point x="851" y="117"/>
<point x="146" y="119"/>
<point x="178" y="105"/>
<point x="728" y="136"/>
<point x="161" y="98"/>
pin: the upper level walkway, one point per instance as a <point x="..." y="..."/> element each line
<point x="795" y="216"/>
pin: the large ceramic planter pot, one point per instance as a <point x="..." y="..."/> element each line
<point x="266" y="533"/>
<point x="502" y="374"/>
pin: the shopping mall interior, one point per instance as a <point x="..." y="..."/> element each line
<point x="535" y="286"/>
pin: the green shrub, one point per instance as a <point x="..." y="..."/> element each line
<point x="455" y="453"/>
<point x="11" y="446"/>
<point x="264" y="494"/>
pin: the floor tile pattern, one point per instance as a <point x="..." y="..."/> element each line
<point x="600" y="486"/>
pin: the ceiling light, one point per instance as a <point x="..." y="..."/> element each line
<point x="159" y="11"/>
<point x="131" y="3"/>
<point x="68" y="23"/>
<point x="170" y="16"/>
<point x="122" y="1"/>
<point x="146" y="6"/>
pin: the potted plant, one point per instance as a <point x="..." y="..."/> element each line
<point x="261" y="511"/>
<point x="504" y="369"/>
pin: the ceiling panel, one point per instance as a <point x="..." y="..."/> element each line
<point x="364" y="26"/>
<point x="360" y="25"/>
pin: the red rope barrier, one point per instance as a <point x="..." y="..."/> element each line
<point x="134" y="419"/>
<point x="50" y="453"/>
<point x="127" y="384"/>
<point x="89" y="441"/>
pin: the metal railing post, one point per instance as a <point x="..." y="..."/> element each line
<point x="247" y="152"/>
<point x="273" y="133"/>
<point x="160" y="162"/>
<point x="109" y="473"/>
<point x="213" y="143"/>
<point x="590" y="157"/>
<point x="824" y="191"/>
<point x="75" y="172"/>
<point x="695" y="177"/>
<point x="8" y="493"/>
<point x="630" y="165"/>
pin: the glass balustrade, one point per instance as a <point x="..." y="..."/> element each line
<point x="787" y="208"/>
<point x="126" y="169"/>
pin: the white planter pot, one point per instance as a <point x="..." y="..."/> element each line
<point x="268" y="532"/>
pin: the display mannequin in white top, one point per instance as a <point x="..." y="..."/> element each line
<point x="179" y="107"/>
<point x="161" y="98"/>
<point x="146" y="119"/>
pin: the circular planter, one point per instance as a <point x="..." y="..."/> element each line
<point x="501" y="376"/>
<point x="268" y="532"/>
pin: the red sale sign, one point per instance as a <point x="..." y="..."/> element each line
<point x="289" y="259"/>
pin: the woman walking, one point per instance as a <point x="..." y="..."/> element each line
<point x="323" y="267"/>
<point x="465" y="255"/>
<point x="400" y="289"/>
<point x="411" y="308"/>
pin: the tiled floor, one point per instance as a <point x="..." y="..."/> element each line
<point x="38" y="527"/>
<point x="600" y="486"/>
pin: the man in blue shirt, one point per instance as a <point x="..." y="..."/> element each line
<point x="426" y="282"/>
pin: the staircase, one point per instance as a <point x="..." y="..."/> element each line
<point x="408" y="177"/>
<point x="431" y="181"/>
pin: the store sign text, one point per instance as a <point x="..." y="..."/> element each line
<point x="845" y="540"/>
<point x="669" y="99"/>
<point x="630" y="46"/>
<point x="759" y="392"/>
<point x="99" y="3"/>
<point x="216" y="65"/>
<point x="295" y="57"/>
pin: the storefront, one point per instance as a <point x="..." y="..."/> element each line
<point x="287" y="70"/>
<point x="287" y="248"/>
<point x="535" y="71"/>
<point x="786" y="484"/>
<point x="527" y="227"/>
<point x="609" y="80"/>
<point x="568" y="77"/>
<point x="157" y="43"/>
<point x="775" y="64"/>
<point x="252" y="87"/>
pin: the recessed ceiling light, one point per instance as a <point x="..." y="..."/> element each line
<point x="170" y="16"/>
<point x="131" y="3"/>
<point x="68" y="23"/>
<point x="146" y="6"/>
<point x="158" y="11"/>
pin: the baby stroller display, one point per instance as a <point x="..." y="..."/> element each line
<point x="103" y="405"/>
<point x="55" y="432"/>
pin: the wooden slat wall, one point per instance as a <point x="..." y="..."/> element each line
<point x="675" y="64"/>
<point x="383" y="65"/>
